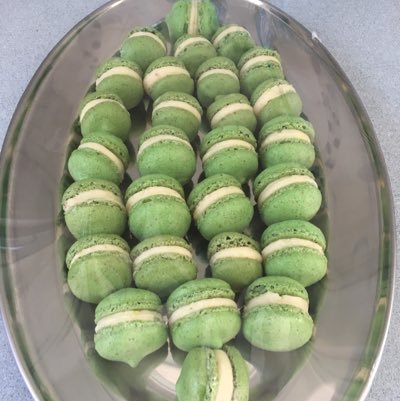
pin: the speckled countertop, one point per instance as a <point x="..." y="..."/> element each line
<point x="361" y="34"/>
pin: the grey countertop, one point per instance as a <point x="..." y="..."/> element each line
<point x="361" y="34"/>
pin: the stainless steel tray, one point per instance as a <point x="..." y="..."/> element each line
<point x="51" y="332"/>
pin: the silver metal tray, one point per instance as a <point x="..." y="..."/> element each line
<point x="52" y="333"/>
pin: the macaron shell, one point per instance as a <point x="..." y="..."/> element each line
<point x="295" y="202"/>
<point x="211" y="328"/>
<point x="277" y="328"/>
<point x="241" y="374"/>
<point x="93" y="277"/>
<point x="130" y="342"/>
<point x="245" y="118"/>
<point x="301" y="264"/>
<point x="159" y="216"/>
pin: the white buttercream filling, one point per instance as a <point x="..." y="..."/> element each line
<point x="198" y="306"/>
<point x="188" y="42"/>
<point x="271" y="94"/>
<point x="93" y="103"/>
<point x="258" y="60"/>
<point x="161" y="251"/>
<point x="151" y="191"/>
<point x="225" y="377"/>
<point x="159" y="138"/>
<point x="230" y="143"/>
<point x="193" y="18"/>
<point x="162" y="72"/>
<point x="272" y="298"/>
<point x="240" y="252"/>
<point x="284" y="135"/>
<point x="98" y="248"/>
<point x="213" y="197"/>
<point x="282" y="183"/>
<point x="178" y="104"/>
<point x="125" y="71"/>
<point x="221" y="71"/>
<point x="126" y="317"/>
<point x="105" y="152"/>
<point x="227" y="31"/>
<point x="227" y="110"/>
<point x="150" y="35"/>
<point x="92" y="195"/>
<point x="290" y="243"/>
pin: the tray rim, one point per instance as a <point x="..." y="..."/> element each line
<point x="385" y="193"/>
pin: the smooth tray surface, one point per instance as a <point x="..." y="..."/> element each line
<point x="55" y="347"/>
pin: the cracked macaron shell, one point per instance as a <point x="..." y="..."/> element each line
<point x="143" y="50"/>
<point x="90" y="163"/>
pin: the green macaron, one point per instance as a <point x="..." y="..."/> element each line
<point x="216" y="76"/>
<point x="129" y="326"/>
<point x="179" y="110"/>
<point x="165" y="149"/>
<point x="287" y="139"/>
<point x="203" y="313"/>
<point x="235" y="258"/>
<point x="104" y="112"/>
<point x="273" y="98"/>
<point x="258" y="65"/>
<point x="121" y="77"/>
<point x="208" y="374"/>
<point x="218" y="205"/>
<point x="99" y="155"/>
<point x="97" y="266"/>
<point x="167" y="74"/>
<point x="286" y="192"/>
<point x="233" y="109"/>
<point x="232" y="41"/>
<point x="143" y="46"/>
<point x="156" y="206"/>
<point x="163" y="263"/>
<point x="94" y="207"/>
<point x="193" y="50"/>
<point x="276" y="314"/>
<point x="230" y="150"/>
<point x="295" y="249"/>
<point x="192" y="17"/>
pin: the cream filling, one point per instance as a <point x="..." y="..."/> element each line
<point x="92" y="195"/>
<point x="227" y="110"/>
<point x="178" y="104"/>
<point x="98" y="248"/>
<point x="271" y="94"/>
<point x="284" y="135"/>
<point x="282" y="183"/>
<point x="221" y="71"/>
<point x="126" y="317"/>
<point x="189" y="42"/>
<point x="230" y="143"/>
<point x="162" y="72"/>
<point x="290" y="243"/>
<point x="151" y="191"/>
<point x="240" y="252"/>
<point x="225" y="375"/>
<point x="230" y="29"/>
<point x="93" y="103"/>
<point x="162" y="250"/>
<point x="150" y="35"/>
<point x="193" y="18"/>
<point x="213" y="197"/>
<point x="198" y="306"/>
<point x="159" y="138"/>
<point x="125" y="71"/>
<point x="272" y="298"/>
<point x="258" y="60"/>
<point x="105" y="152"/>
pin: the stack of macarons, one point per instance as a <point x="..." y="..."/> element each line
<point x="256" y="129"/>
